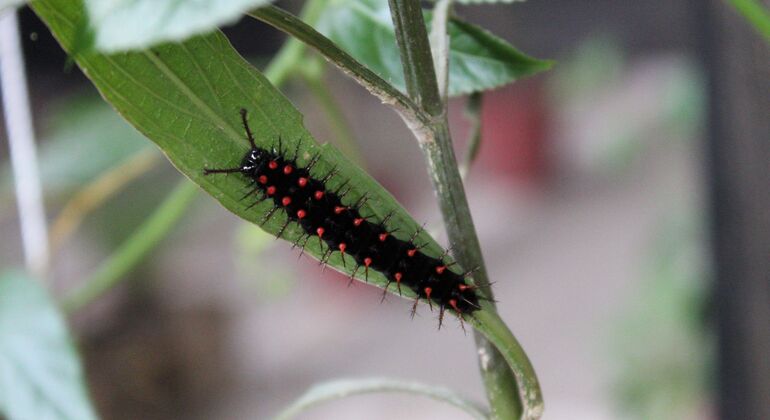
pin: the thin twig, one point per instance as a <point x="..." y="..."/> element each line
<point x="21" y="140"/>
<point x="290" y="24"/>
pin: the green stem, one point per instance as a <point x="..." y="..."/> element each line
<point x="756" y="14"/>
<point x="135" y="248"/>
<point x="509" y="397"/>
<point x="290" y="24"/>
<point x="312" y="74"/>
<point x="412" y="38"/>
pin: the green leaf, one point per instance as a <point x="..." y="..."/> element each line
<point x="478" y="60"/>
<point x="40" y="373"/>
<point x="121" y="25"/>
<point x="186" y="97"/>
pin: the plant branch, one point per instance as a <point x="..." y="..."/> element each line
<point x="439" y="41"/>
<point x="135" y="248"/>
<point x="290" y="24"/>
<point x="507" y="400"/>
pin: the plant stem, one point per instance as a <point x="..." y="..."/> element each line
<point x="21" y="141"/>
<point x="135" y="248"/>
<point x="290" y="24"/>
<point x="507" y="401"/>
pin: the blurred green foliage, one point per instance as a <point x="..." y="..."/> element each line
<point x="40" y="373"/>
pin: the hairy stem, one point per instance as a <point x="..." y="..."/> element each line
<point x="507" y="400"/>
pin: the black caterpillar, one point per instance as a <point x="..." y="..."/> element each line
<point x="321" y="213"/>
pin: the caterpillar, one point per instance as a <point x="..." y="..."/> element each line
<point x="322" y="213"/>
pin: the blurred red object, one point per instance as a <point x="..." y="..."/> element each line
<point x="513" y="134"/>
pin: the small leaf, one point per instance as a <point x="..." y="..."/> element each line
<point x="478" y="60"/>
<point x="121" y="25"/>
<point x="40" y="373"/>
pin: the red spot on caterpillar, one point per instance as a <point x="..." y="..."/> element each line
<point x="428" y="291"/>
<point x="318" y="195"/>
<point x="411" y="252"/>
<point x="453" y="304"/>
<point x="287" y="169"/>
<point x="342" y="247"/>
<point x="272" y="164"/>
<point x="398" y="277"/>
<point x="357" y="222"/>
<point x="302" y="181"/>
<point x="320" y="231"/>
<point x="270" y="190"/>
<point x="301" y="214"/>
<point x="463" y="287"/>
<point x="263" y="179"/>
<point x="440" y="269"/>
<point x="286" y="201"/>
<point x="367" y="261"/>
<point x="339" y="210"/>
<point x="383" y="236"/>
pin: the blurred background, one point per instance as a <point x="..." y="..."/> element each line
<point x="620" y="198"/>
